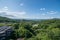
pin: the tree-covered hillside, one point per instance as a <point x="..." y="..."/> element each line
<point x="39" y="30"/>
<point x="33" y="30"/>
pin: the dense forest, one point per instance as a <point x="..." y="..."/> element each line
<point x="48" y="29"/>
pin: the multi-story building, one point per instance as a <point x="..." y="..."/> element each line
<point x="5" y="32"/>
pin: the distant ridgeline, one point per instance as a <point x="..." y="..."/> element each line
<point x="5" y="19"/>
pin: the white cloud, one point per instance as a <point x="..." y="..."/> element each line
<point x="52" y="12"/>
<point x="16" y="13"/>
<point x="13" y="14"/>
<point x="5" y="8"/>
<point x="42" y="9"/>
<point x="6" y="13"/>
<point x="21" y="4"/>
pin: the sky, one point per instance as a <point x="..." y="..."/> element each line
<point x="30" y="9"/>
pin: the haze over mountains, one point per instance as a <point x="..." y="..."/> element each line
<point x="14" y="16"/>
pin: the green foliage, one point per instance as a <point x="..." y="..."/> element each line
<point x="46" y="29"/>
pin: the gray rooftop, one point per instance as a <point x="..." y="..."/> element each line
<point x="4" y="28"/>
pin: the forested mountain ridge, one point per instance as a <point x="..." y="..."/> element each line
<point x="5" y="19"/>
<point x="48" y="29"/>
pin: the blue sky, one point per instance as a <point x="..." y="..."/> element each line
<point x="30" y="9"/>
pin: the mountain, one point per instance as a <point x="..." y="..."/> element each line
<point x="5" y="19"/>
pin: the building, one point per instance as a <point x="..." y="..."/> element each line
<point x="5" y="32"/>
